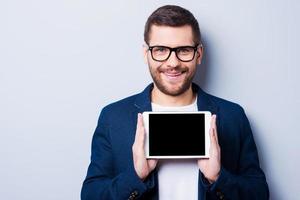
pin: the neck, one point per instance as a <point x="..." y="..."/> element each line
<point x="163" y="99"/>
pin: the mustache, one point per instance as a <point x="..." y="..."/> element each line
<point x="177" y="69"/>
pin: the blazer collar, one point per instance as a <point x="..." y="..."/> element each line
<point x="204" y="100"/>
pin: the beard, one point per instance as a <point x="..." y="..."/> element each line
<point x="172" y="88"/>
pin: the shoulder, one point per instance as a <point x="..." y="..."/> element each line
<point x="118" y="109"/>
<point x="231" y="119"/>
<point x="123" y="104"/>
<point x="227" y="109"/>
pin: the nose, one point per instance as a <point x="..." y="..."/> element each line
<point x="172" y="60"/>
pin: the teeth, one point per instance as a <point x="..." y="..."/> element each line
<point x="173" y="74"/>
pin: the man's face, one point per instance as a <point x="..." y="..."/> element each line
<point x="172" y="77"/>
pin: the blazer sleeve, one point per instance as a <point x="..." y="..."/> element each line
<point x="101" y="181"/>
<point x="248" y="182"/>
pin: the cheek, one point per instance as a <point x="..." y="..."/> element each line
<point x="148" y="58"/>
<point x="192" y="68"/>
<point x="153" y="65"/>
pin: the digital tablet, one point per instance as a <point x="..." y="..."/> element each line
<point x="177" y="134"/>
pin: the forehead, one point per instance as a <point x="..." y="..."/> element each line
<point x="171" y="36"/>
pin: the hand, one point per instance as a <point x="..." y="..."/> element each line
<point x="210" y="167"/>
<point x="142" y="166"/>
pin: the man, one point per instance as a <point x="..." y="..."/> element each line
<point x="119" y="169"/>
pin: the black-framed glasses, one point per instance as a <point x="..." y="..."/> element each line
<point x="183" y="53"/>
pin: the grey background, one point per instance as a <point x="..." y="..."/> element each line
<point x="62" y="61"/>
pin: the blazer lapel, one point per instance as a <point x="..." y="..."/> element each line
<point x="143" y="100"/>
<point x="204" y="101"/>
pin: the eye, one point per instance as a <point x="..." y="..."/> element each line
<point x="160" y="50"/>
<point x="185" y="50"/>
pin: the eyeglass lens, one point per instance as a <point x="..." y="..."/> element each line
<point x="162" y="53"/>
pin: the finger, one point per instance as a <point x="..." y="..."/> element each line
<point x="140" y="132"/>
<point x="215" y="129"/>
<point x="212" y="134"/>
<point x="152" y="163"/>
<point x="213" y="141"/>
<point x="213" y="121"/>
<point x="137" y="128"/>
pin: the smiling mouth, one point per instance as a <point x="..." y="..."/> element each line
<point x="173" y="75"/>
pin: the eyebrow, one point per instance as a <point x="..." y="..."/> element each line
<point x="189" y="45"/>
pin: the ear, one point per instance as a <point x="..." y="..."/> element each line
<point x="145" y="53"/>
<point x="200" y="51"/>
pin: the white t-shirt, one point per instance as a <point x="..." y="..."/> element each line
<point x="177" y="179"/>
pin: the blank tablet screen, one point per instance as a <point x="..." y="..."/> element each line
<point x="177" y="134"/>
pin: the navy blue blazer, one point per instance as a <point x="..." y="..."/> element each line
<point x="111" y="173"/>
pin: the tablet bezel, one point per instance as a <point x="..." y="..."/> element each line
<point x="207" y="118"/>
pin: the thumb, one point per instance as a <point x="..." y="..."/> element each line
<point x="140" y="133"/>
<point x="152" y="164"/>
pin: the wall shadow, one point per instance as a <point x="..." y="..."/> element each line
<point x="203" y="70"/>
<point x="263" y="158"/>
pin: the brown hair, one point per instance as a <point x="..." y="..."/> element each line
<point x="174" y="16"/>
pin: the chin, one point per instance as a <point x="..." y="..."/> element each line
<point x="173" y="90"/>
